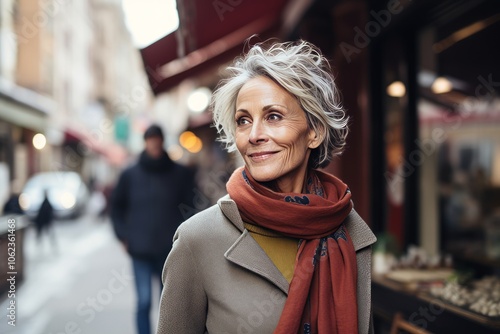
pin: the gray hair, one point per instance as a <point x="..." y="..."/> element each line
<point x="301" y="70"/>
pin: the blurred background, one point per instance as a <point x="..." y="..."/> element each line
<point x="80" y="81"/>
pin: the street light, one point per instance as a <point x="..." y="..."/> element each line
<point x="199" y="99"/>
<point x="396" y="89"/>
<point x="39" y="141"/>
<point x="441" y="85"/>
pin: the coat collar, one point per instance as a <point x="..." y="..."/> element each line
<point x="361" y="235"/>
<point x="247" y="253"/>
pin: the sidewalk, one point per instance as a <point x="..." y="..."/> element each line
<point x="85" y="285"/>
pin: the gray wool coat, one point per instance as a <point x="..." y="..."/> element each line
<point x="218" y="280"/>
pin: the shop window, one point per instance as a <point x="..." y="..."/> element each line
<point x="459" y="137"/>
<point x="395" y="106"/>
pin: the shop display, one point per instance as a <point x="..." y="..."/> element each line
<point x="481" y="296"/>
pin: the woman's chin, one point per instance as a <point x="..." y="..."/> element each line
<point x="261" y="174"/>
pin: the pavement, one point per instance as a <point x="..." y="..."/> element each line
<point x="76" y="281"/>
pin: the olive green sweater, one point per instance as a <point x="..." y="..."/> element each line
<point x="280" y="249"/>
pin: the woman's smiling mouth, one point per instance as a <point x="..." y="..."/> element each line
<point x="259" y="156"/>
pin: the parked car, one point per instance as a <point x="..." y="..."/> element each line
<point x="66" y="191"/>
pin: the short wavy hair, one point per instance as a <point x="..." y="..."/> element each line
<point x="300" y="69"/>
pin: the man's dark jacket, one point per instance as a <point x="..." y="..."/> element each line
<point x="44" y="217"/>
<point x="148" y="202"/>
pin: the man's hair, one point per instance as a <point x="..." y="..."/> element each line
<point x="153" y="130"/>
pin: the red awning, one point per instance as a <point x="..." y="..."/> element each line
<point x="114" y="153"/>
<point x="209" y="33"/>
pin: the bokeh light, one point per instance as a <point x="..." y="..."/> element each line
<point x="396" y="89"/>
<point x="175" y="152"/>
<point x="199" y="99"/>
<point x="196" y="147"/>
<point x="39" y="141"/>
<point x="441" y="85"/>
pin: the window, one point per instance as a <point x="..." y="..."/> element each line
<point x="459" y="135"/>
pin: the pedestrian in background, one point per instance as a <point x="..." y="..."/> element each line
<point x="145" y="213"/>
<point x="284" y="252"/>
<point x="12" y="205"/>
<point x="44" y="220"/>
<point x="45" y="215"/>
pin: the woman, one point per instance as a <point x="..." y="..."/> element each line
<point x="284" y="252"/>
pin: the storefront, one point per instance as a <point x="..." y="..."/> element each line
<point x="435" y="106"/>
<point x="22" y="115"/>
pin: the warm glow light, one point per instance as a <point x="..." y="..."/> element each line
<point x="495" y="178"/>
<point x="441" y="85"/>
<point x="24" y="201"/>
<point x="396" y="89"/>
<point x="190" y="142"/>
<point x="175" y="152"/>
<point x="39" y="141"/>
<point x="187" y="139"/>
<point x="196" y="147"/>
<point x="199" y="99"/>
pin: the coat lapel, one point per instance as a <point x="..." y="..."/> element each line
<point x="361" y="235"/>
<point x="247" y="253"/>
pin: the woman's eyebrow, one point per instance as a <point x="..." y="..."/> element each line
<point x="270" y="106"/>
<point x="265" y="108"/>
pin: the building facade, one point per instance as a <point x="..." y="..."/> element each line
<point x="69" y="71"/>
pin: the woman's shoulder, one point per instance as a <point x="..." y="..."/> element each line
<point x="209" y="223"/>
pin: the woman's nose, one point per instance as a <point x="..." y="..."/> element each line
<point x="257" y="134"/>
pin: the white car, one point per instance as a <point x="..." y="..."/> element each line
<point x="66" y="191"/>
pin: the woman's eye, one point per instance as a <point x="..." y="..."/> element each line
<point x="242" y="121"/>
<point x="274" y="117"/>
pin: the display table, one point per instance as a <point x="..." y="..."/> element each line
<point x="424" y="310"/>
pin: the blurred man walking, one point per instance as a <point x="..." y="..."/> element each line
<point x="145" y="214"/>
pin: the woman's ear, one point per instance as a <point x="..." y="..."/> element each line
<point x="315" y="138"/>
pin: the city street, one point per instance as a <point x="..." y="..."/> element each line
<point x="80" y="284"/>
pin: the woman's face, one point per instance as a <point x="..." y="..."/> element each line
<point x="272" y="134"/>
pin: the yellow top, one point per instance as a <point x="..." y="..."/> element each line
<point x="280" y="249"/>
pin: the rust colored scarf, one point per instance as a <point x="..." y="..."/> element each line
<point x="322" y="294"/>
